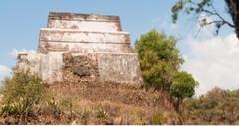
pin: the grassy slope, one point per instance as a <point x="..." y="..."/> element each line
<point x="96" y="103"/>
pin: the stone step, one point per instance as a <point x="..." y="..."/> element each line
<point x="79" y="36"/>
<point x="84" y="21"/>
<point x="45" y="47"/>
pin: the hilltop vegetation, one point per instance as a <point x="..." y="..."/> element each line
<point x="160" y="63"/>
<point x="216" y="107"/>
<point x="74" y="102"/>
<point x="165" y="97"/>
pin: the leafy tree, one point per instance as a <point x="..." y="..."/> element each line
<point x="182" y="87"/>
<point x="207" y="7"/>
<point x="159" y="59"/>
<point x="160" y="63"/>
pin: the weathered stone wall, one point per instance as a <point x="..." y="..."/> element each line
<point x="78" y="16"/>
<point x="77" y="36"/>
<point x="119" y="68"/>
<point x="80" y="67"/>
<point x="51" y="67"/>
<point x="29" y="61"/>
<point x="85" y="25"/>
<point x="83" y="41"/>
<point x="47" y="66"/>
<point x="84" y="22"/>
<point x="83" y="47"/>
<point x="104" y="67"/>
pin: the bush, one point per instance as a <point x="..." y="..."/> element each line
<point x="21" y="93"/>
<point x="158" y="118"/>
<point x="216" y="107"/>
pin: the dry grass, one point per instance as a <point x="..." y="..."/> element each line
<point x="97" y="103"/>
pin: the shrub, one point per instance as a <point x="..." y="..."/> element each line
<point x="21" y="93"/>
<point x="158" y="118"/>
<point x="216" y="107"/>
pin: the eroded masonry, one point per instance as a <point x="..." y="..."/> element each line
<point x="89" y="46"/>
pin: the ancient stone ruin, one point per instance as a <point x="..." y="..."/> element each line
<point x="92" y="47"/>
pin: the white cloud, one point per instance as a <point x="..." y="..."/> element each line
<point x="4" y="71"/>
<point x="213" y="62"/>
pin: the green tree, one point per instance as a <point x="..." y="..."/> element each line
<point x="160" y="63"/>
<point x="207" y="7"/>
<point x="159" y="59"/>
<point x="183" y="86"/>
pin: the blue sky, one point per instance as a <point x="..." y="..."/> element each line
<point x="22" y="19"/>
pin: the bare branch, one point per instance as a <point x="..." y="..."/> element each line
<point x="221" y="19"/>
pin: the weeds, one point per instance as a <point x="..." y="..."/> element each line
<point x="101" y="113"/>
<point x="21" y="93"/>
<point x="157" y="118"/>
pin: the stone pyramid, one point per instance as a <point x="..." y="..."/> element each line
<point x="91" y="45"/>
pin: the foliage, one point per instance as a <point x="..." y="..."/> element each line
<point x="101" y="113"/>
<point x="183" y="86"/>
<point x="207" y="8"/>
<point x="158" y="118"/>
<point x="53" y="106"/>
<point x="216" y="107"/>
<point x="159" y="59"/>
<point x="189" y="6"/>
<point x="160" y="63"/>
<point x="20" y="93"/>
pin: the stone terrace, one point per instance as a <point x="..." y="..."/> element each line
<point x="87" y="39"/>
